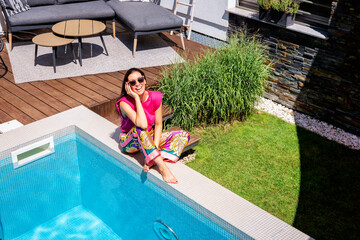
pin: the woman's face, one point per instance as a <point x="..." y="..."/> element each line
<point x="137" y="83"/>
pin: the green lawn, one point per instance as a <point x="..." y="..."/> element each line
<point x="298" y="176"/>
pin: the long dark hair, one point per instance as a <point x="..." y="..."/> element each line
<point x="126" y="78"/>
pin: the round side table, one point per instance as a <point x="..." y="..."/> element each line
<point x="79" y="28"/>
<point x="51" y="40"/>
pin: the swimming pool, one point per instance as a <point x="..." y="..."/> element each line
<point x="82" y="192"/>
<point x="88" y="189"/>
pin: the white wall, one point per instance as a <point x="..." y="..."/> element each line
<point x="210" y="17"/>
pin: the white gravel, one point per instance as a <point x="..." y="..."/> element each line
<point x="324" y="129"/>
<point x="188" y="157"/>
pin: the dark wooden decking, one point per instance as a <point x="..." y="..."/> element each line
<point x="29" y="102"/>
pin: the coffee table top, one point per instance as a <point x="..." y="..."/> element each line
<point x="78" y="28"/>
<point x="51" y="40"/>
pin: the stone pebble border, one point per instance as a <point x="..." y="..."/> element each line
<point x="324" y="129"/>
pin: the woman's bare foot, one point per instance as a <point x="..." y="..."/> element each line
<point x="165" y="171"/>
<point x="147" y="167"/>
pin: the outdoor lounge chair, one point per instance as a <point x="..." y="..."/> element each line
<point x="2" y="60"/>
<point x="145" y="18"/>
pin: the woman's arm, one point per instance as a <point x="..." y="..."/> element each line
<point x="138" y="117"/>
<point x="158" y="126"/>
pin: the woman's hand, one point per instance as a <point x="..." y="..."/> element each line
<point x="130" y="92"/>
<point x="137" y="116"/>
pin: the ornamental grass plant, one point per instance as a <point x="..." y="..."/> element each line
<point x="220" y="86"/>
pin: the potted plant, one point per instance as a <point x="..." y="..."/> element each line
<point x="281" y="12"/>
<point x="264" y="9"/>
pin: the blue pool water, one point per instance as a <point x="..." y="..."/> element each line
<point x="77" y="223"/>
<point x="81" y="192"/>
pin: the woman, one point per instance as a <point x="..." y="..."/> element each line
<point x="139" y="110"/>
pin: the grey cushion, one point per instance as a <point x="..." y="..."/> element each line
<point x="15" y="6"/>
<point x="56" y="13"/>
<point x="71" y="1"/>
<point x="34" y="3"/>
<point x="145" y="16"/>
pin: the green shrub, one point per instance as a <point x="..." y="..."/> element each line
<point x="222" y="85"/>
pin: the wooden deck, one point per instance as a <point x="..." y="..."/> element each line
<point x="29" y="102"/>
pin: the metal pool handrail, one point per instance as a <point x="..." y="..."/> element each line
<point x="163" y="231"/>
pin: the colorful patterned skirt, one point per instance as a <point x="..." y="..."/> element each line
<point x="170" y="147"/>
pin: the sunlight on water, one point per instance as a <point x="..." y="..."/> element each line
<point x="77" y="223"/>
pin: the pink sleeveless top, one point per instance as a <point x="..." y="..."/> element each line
<point x="150" y="106"/>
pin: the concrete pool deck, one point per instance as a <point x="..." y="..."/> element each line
<point x="212" y="199"/>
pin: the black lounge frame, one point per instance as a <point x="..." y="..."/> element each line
<point x="2" y="60"/>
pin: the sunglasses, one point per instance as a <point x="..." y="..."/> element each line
<point x="140" y="80"/>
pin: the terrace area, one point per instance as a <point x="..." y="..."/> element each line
<point x="32" y="101"/>
<point x="314" y="74"/>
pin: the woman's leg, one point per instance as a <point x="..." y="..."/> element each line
<point x="152" y="155"/>
<point x="172" y="144"/>
<point x="129" y="141"/>
<point x="165" y="171"/>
